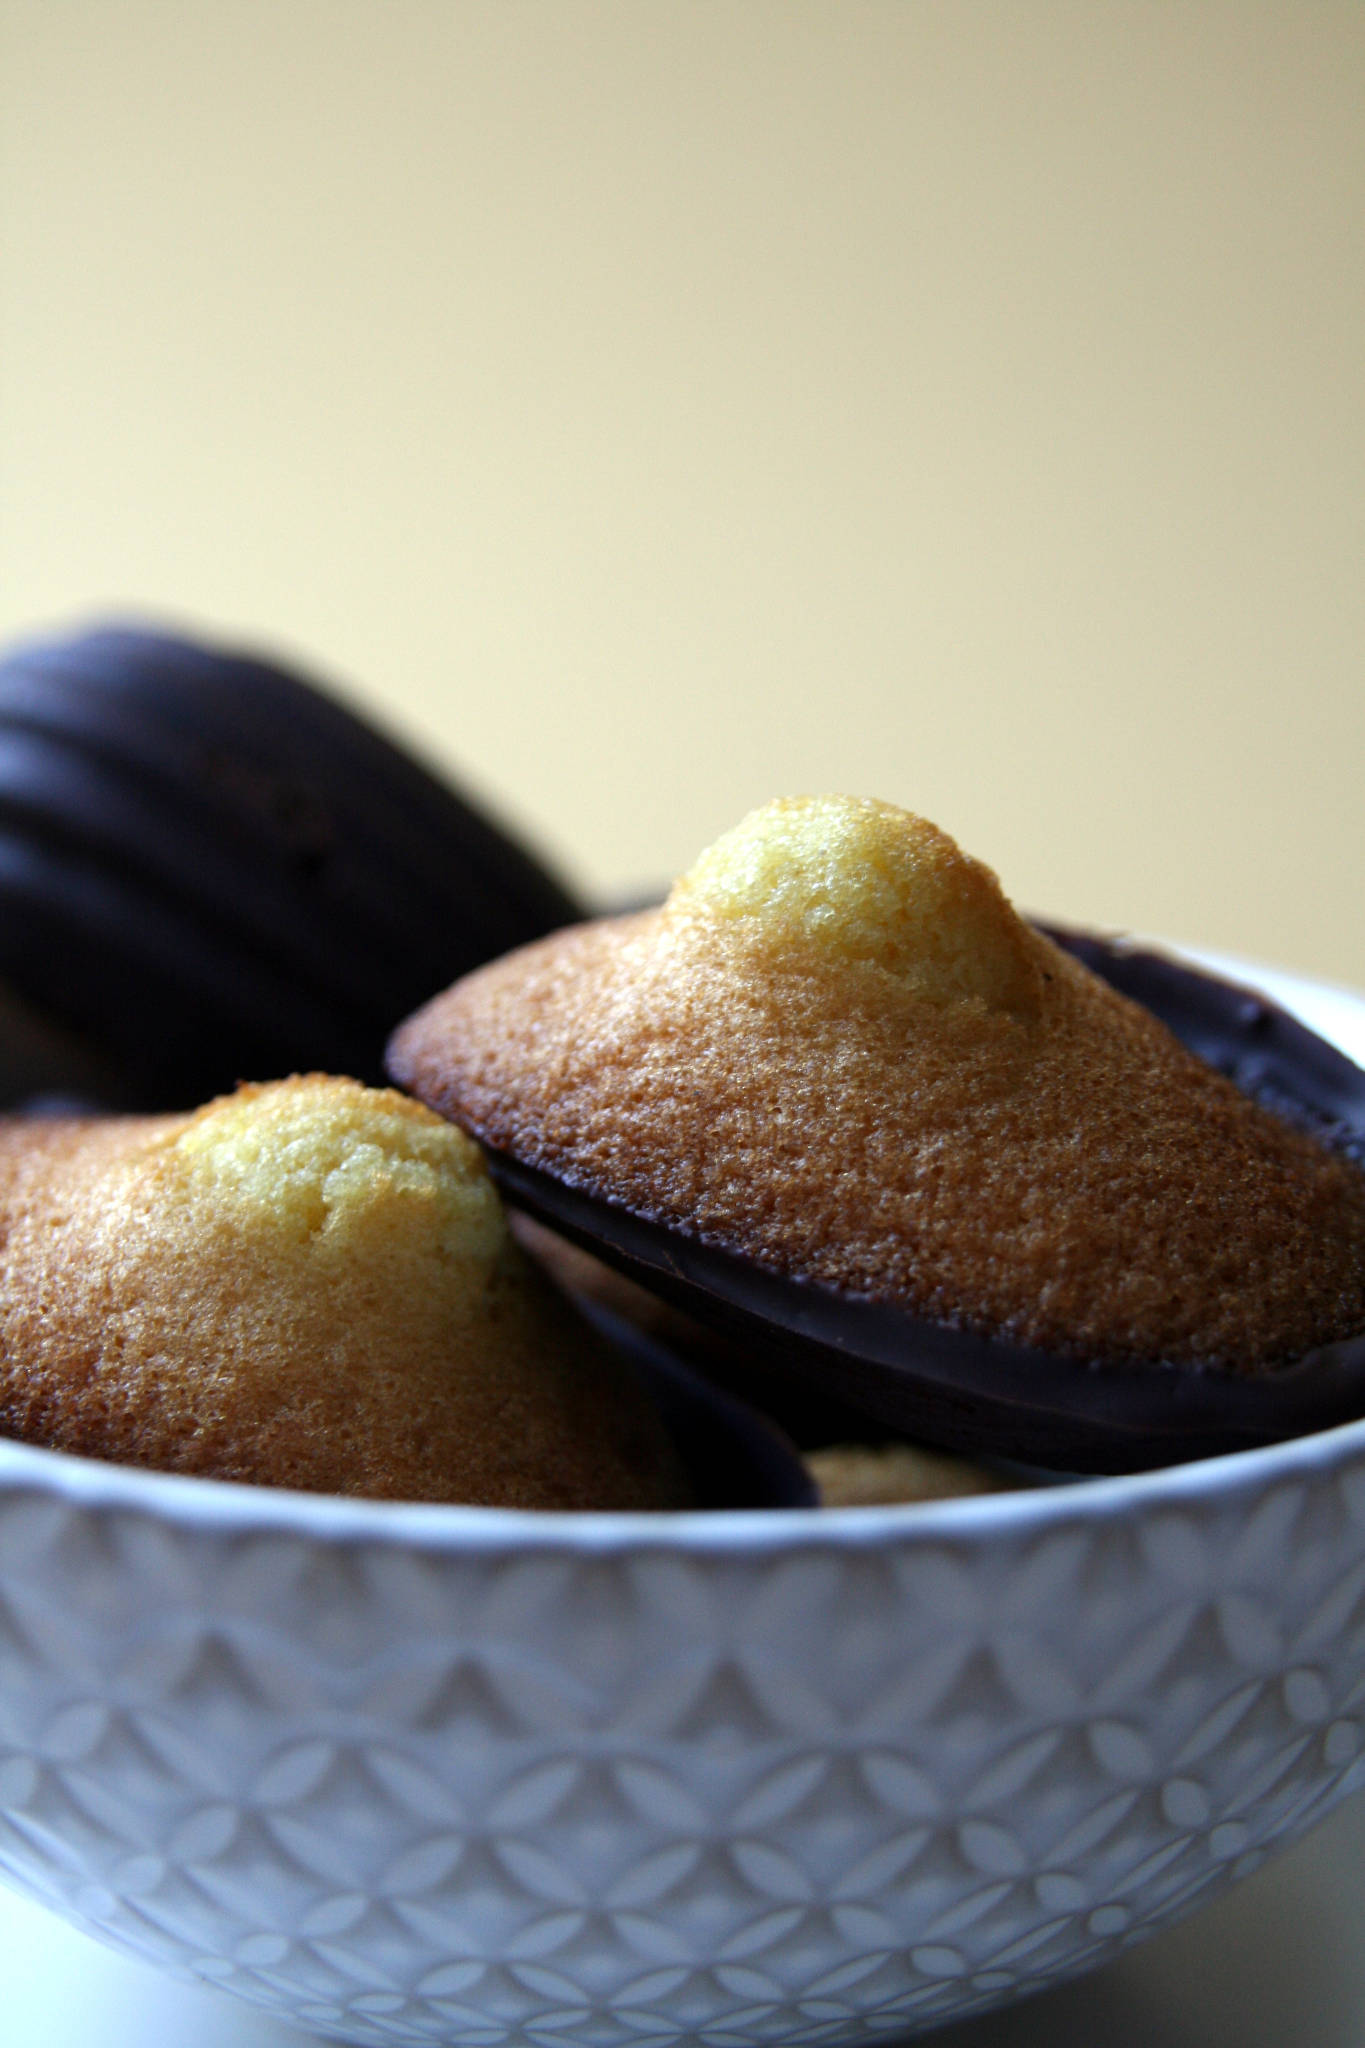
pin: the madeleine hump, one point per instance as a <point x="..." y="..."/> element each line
<point x="837" y="1094"/>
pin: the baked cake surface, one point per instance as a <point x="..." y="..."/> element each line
<point x="307" y="1284"/>
<point x="838" y="1051"/>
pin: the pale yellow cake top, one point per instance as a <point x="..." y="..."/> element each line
<point x="856" y="882"/>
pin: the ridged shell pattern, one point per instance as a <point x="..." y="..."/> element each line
<point x="457" y="1777"/>
<point x="211" y="870"/>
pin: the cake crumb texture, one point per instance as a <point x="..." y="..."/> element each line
<point x="307" y="1284"/>
<point x="838" y="1051"/>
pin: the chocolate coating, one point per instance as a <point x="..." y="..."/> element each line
<point x="212" y="871"/>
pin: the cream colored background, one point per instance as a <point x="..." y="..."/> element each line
<point x="651" y="407"/>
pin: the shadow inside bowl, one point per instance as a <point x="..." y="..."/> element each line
<point x="734" y="1457"/>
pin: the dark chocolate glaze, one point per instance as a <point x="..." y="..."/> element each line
<point x="211" y="871"/>
<point x="985" y="1396"/>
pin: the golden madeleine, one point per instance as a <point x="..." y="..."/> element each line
<point x="838" y="1053"/>
<point x="307" y="1284"/>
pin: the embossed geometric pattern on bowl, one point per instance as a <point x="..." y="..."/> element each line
<point x="745" y="1780"/>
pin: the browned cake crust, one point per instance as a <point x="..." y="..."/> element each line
<point x="1023" y="1153"/>
<point x="301" y="1286"/>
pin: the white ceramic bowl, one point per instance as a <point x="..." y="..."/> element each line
<point x="456" y="1775"/>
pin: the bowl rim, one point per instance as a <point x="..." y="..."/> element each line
<point x="198" y="1507"/>
<point x="203" y="1507"/>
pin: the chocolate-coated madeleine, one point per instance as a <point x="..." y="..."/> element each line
<point x="838" y="1085"/>
<point x="212" y="871"/>
<point x="308" y="1284"/>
